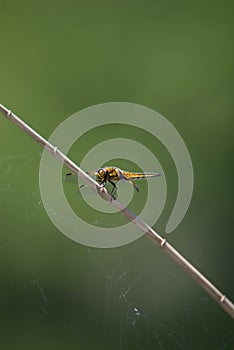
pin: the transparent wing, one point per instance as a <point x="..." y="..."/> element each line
<point x="71" y="178"/>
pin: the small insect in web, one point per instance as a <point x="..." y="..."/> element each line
<point x="111" y="175"/>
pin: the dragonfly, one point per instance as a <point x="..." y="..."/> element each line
<point x="112" y="175"/>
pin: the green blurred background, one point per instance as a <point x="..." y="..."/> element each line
<point x="59" y="57"/>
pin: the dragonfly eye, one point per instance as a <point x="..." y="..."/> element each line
<point x="100" y="173"/>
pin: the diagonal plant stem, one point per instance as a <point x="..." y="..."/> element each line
<point x="222" y="300"/>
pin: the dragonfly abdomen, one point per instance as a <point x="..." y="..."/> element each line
<point x="129" y="175"/>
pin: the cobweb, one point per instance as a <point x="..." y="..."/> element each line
<point x="126" y="298"/>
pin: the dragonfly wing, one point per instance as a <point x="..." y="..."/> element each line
<point x="136" y="176"/>
<point x="125" y="177"/>
<point x="121" y="175"/>
<point x="71" y="178"/>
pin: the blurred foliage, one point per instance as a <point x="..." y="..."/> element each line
<point x="59" y="57"/>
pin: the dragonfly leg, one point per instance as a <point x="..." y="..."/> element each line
<point x="102" y="182"/>
<point x="113" y="184"/>
<point x="113" y="189"/>
<point x="134" y="185"/>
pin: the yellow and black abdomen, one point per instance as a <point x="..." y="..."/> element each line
<point x="132" y="176"/>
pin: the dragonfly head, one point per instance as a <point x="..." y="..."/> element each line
<point x="100" y="173"/>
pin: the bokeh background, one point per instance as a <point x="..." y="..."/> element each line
<point x="59" y="57"/>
